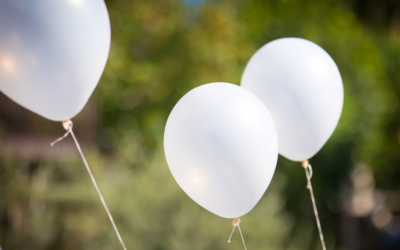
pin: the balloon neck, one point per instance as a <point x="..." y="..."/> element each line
<point x="236" y="222"/>
<point x="304" y="163"/>
<point x="67" y="124"/>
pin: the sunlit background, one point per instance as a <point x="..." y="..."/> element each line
<point x="160" y="50"/>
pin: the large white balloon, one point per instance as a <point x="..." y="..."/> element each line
<point x="221" y="146"/>
<point x="52" y="53"/>
<point x="301" y="86"/>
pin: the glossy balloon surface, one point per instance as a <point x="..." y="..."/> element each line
<point x="52" y="53"/>
<point x="301" y="86"/>
<point x="221" y="146"/>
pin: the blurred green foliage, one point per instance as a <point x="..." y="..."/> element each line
<point x="160" y="50"/>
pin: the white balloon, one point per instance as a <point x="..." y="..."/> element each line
<point x="221" y="147"/>
<point x="301" y="86"/>
<point x="52" y="53"/>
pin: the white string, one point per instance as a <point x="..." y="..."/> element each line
<point x="229" y="241"/>
<point x="60" y="139"/>
<point x="309" y="174"/>
<point x="242" y="237"/>
<point x="93" y="180"/>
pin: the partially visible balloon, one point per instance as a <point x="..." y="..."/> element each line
<point x="221" y="146"/>
<point x="301" y="86"/>
<point x="52" y="53"/>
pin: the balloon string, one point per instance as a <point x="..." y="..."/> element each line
<point x="234" y="226"/>
<point x="70" y="131"/>
<point x="229" y="240"/>
<point x="60" y="139"/>
<point x="309" y="174"/>
<point x="242" y="237"/>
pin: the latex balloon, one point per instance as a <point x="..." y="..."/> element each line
<point x="301" y="86"/>
<point x="52" y="53"/>
<point x="221" y="147"/>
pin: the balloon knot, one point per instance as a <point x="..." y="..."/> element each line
<point x="304" y="163"/>
<point x="236" y="222"/>
<point x="67" y="124"/>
